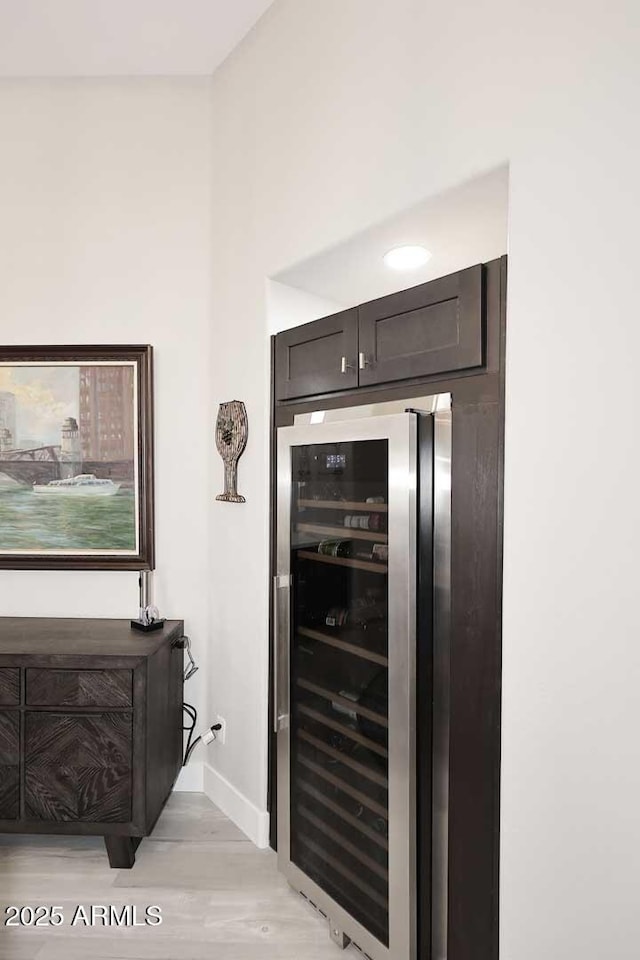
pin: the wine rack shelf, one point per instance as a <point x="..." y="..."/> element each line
<point x="349" y="875"/>
<point x="358" y="505"/>
<point x="347" y="533"/>
<point x="345" y="647"/>
<point x="342" y="757"/>
<point x="341" y="701"/>
<point x="337" y="837"/>
<point x="362" y="798"/>
<point x="344" y="561"/>
<point x="320" y="798"/>
<point x="344" y="729"/>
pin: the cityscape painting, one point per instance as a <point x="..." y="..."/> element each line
<point x="71" y="469"/>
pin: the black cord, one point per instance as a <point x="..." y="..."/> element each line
<point x="192" y="713"/>
<point x="190" y="750"/>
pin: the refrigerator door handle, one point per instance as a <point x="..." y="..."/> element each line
<point x="281" y="594"/>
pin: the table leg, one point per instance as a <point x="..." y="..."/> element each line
<point x="121" y="851"/>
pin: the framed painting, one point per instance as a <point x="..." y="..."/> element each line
<point x="76" y="457"/>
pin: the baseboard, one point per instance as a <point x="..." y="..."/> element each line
<point x="190" y="779"/>
<point x="246" y="816"/>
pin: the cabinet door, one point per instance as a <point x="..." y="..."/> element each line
<point x="78" y="767"/>
<point x="318" y="357"/>
<point x="433" y="328"/>
<point x="9" y="765"/>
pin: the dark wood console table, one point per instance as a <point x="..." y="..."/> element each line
<point x="90" y="728"/>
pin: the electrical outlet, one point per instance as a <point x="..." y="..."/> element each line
<point x="221" y="734"/>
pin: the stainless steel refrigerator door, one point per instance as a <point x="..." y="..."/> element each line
<point x="399" y="433"/>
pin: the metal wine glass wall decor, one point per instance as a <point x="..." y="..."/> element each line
<point x="231" y="438"/>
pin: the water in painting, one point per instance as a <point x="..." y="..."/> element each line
<point x="67" y="458"/>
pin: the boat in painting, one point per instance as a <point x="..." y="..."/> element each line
<point x="82" y="485"/>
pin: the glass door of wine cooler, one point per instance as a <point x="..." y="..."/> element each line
<point x="345" y="609"/>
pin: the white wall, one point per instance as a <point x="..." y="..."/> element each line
<point x="460" y="227"/>
<point x="333" y="115"/>
<point x="105" y="238"/>
<point x="289" y="306"/>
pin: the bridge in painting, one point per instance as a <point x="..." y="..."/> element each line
<point x="42" y="464"/>
<point x="29" y="466"/>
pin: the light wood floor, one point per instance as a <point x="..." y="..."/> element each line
<point x="221" y="898"/>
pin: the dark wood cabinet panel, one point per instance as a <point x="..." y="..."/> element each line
<point x="433" y="328"/>
<point x="475" y="665"/>
<point x="79" y="688"/>
<point x="9" y="765"/>
<point x="164" y="710"/>
<point x="78" y="767"/>
<point x="9" y="687"/>
<point x="318" y="357"/>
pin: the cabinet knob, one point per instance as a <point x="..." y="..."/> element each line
<point x="362" y="361"/>
<point x="344" y="366"/>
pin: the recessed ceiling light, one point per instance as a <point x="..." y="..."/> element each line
<point x="406" y="258"/>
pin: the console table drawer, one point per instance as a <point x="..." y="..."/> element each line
<point x="79" y="688"/>
<point x="9" y="686"/>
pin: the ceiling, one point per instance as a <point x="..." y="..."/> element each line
<point x="461" y="227"/>
<point x="114" y="38"/>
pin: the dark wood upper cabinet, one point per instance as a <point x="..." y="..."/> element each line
<point x="433" y="328"/>
<point x="318" y="357"/>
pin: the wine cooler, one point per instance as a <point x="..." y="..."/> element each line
<point x="360" y="673"/>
